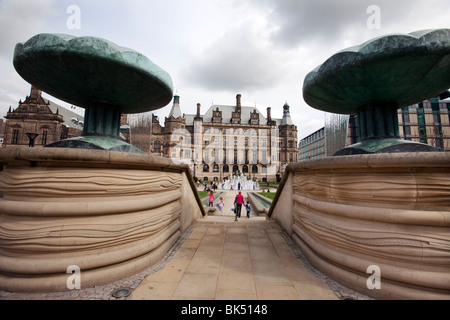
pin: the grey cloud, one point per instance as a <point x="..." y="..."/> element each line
<point x="305" y="21"/>
<point x="241" y="59"/>
<point x="21" y="19"/>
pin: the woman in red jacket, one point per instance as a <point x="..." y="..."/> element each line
<point x="239" y="201"/>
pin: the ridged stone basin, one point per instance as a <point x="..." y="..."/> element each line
<point x="386" y="210"/>
<point x="111" y="214"/>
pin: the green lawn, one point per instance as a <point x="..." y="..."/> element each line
<point x="203" y="194"/>
<point x="270" y="195"/>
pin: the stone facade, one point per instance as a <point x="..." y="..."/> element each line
<point x="38" y="122"/>
<point x="225" y="140"/>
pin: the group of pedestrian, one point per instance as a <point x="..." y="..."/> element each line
<point x="237" y="205"/>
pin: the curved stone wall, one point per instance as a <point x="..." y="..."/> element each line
<point x="391" y="211"/>
<point x="111" y="214"/>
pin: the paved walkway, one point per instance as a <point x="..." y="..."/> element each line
<point x="228" y="199"/>
<point x="227" y="260"/>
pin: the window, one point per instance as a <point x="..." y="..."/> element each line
<point x="264" y="156"/>
<point x="422" y="125"/>
<point x="235" y="169"/>
<point x="264" y="142"/>
<point x="44" y="137"/>
<point x="157" y="146"/>
<point x="205" y="168"/>
<point x="244" y="169"/>
<point x="216" y="168"/>
<point x="255" y="169"/>
<point x="15" y="137"/>
<point x="226" y="169"/>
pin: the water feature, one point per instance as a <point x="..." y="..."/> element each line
<point x="263" y="200"/>
<point x="336" y="130"/>
<point x="238" y="182"/>
<point x="83" y="212"/>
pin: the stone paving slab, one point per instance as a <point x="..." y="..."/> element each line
<point x="248" y="259"/>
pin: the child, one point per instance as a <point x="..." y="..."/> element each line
<point x="247" y="206"/>
<point x="220" y="205"/>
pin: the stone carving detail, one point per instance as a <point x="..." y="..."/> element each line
<point x="389" y="211"/>
<point x="109" y="222"/>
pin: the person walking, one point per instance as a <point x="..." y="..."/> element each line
<point x="220" y="205"/>
<point x="211" y="198"/>
<point x="239" y="201"/>
<point x="247" y="206"/>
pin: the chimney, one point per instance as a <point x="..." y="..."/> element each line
<point x="35" y="93"/>
<point x="269" y="114"/>
<point x="198" y="109"/>
<point x="238" y="103"/>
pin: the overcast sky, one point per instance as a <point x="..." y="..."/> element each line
<point x="215" y="49"/>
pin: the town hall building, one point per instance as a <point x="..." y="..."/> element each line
<point x="227" y="140"/>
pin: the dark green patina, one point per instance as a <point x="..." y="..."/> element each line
<point x="105" y="79"/>
<point x="377" y="78"/>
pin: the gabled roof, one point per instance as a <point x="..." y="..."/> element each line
<point x="227" y="112"/>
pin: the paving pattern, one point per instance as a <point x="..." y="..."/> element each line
<point x="231" y="261"/>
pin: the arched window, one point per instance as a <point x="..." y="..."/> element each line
<point x="255" y="169"/>
<point x="235" y="169"/>
<point x="226" y="168"/>
<point x="205" y="168"/>
<point x="245" y="169"/>
<point x="216" y="168"/>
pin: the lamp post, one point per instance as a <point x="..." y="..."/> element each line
<point x="32" y="138"/>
